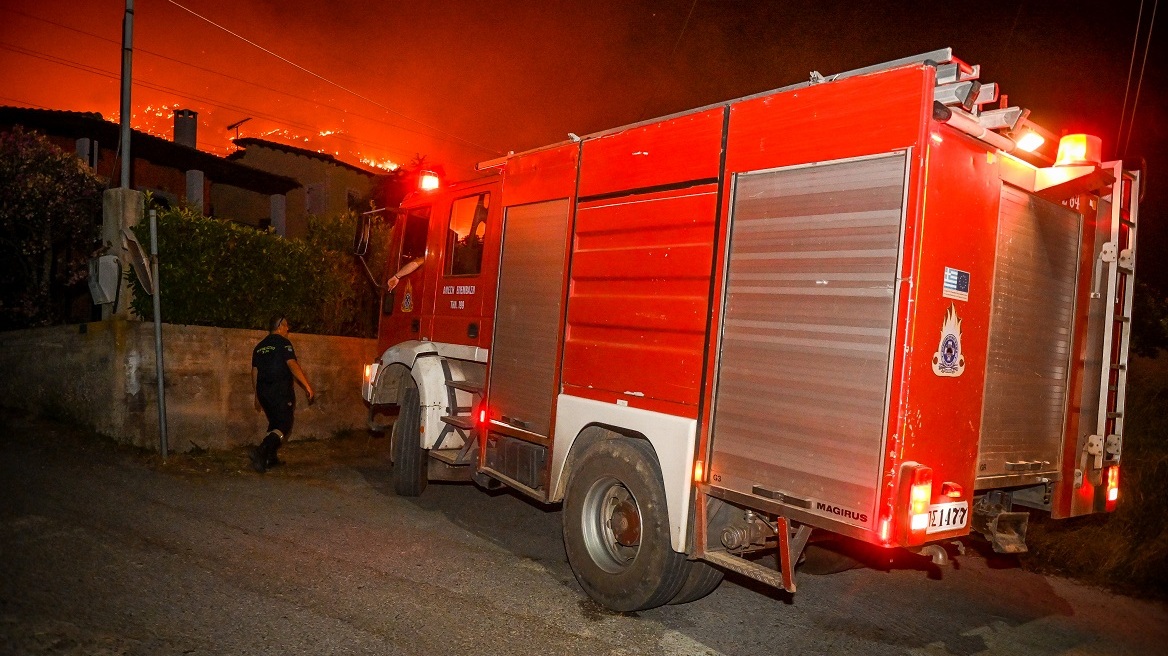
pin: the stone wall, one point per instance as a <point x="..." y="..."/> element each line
<point x="102" y="375"/>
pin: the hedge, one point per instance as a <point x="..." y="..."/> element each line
<point x="218" y="273"/>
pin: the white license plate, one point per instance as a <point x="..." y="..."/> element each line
<point x="948" y="516"/>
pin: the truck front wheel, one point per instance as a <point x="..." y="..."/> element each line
<point x="616" y="528"/>
<point x="409" y="458"/>
<point x="701" y="579"/>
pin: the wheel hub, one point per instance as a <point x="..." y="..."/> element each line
<point x="611" y="525"/>
<point x="625" y="524"/>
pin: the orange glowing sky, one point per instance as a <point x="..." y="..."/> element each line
<point x="462" y="81"/>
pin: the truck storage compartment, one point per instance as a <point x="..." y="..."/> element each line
<point x="527" y="315"/>
<point x="1028" y="362"/>
<point x="800" y="406"/>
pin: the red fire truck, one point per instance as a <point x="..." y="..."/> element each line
<point x="882" y="304"/>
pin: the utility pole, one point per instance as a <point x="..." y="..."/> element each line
<point x="127" y="58"/>
<point x="158" y="364"/>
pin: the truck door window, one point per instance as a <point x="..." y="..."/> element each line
<point x="464" y="239"/>
<point x="414" y="235"/>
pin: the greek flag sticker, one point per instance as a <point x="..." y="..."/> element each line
<point x="956" y="284"/>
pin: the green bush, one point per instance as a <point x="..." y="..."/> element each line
<point x="1127" y="549"/>
<point x="217" y="273"/>
<point x="50" y="226"/>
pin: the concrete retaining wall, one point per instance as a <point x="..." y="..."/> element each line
<point x="102" y="375"/>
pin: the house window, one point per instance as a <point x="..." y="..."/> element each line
<point x="464" y="239"/>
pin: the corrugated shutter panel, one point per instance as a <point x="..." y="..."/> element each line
<point x="527" y="317"/>
<point x="804" y="361"/>
<point x="1027" y="364"/>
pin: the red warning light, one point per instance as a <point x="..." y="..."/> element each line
<point x="1112" y="486"/>
<point x="1079" y="149"/>
<point x="428" y="180"/>
<point x="920" y="495"/>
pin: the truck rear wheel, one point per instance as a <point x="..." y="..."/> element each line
<point x="409" y="458"/>
<point x="616" y="528"/>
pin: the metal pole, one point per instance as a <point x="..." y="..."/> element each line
<point x="158" y="333"/>
<point x="127" y="57"/>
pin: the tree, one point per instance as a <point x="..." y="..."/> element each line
<point x="50" y="227"/>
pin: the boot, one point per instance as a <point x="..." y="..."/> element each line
<point x="265" y="452"/>
<point x="272" y="459"/>
<point x="258" y="463"/>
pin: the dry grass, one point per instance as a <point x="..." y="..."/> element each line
<point x="1128" y="549"/>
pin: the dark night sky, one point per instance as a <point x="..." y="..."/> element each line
<point x="467" y="80"/>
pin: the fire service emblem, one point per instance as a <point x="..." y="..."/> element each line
<point x="407" y="304"/>
<point x="948" y="360"/>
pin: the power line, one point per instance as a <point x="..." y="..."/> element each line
<point x="25" y="102"/>
<point x="335" y="84"/>
<point x="208" y="145"/>
<point x="208" y="101"/>
<point x="233" y="77"/>
<point x="58" y="60"/>
<point x="1131" y="67"/>
<point x="1140" y="83"/>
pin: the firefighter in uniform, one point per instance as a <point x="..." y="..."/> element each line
<point x="273" y="370"/>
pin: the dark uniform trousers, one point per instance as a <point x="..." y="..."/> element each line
<point x="278" y="402"/>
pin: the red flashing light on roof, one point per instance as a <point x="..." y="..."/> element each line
<point x="1079" y="150"/>
<point x="428" y="180"/>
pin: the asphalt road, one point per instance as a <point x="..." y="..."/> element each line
<point x="104" y="550"/>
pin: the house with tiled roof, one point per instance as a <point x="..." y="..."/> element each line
<point x="172" y="171"/>
<point x="327" y="185"/>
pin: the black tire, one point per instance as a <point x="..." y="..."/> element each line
<point x="409" y="458"/>
<point x="701" y="580"/>
<point x="622" y="567"/>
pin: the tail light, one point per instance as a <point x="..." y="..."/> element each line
<point x="481" y="415"/>
<point x="919" y="497"/>
<point x="952" y="490"/>
<point x="1112" y="486"/>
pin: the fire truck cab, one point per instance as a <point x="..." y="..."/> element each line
<point x="874" y="304"/>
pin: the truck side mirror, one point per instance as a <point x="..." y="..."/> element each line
<point x="361" y="235"/>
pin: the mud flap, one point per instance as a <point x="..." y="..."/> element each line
<point x="1006" y="530"/>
